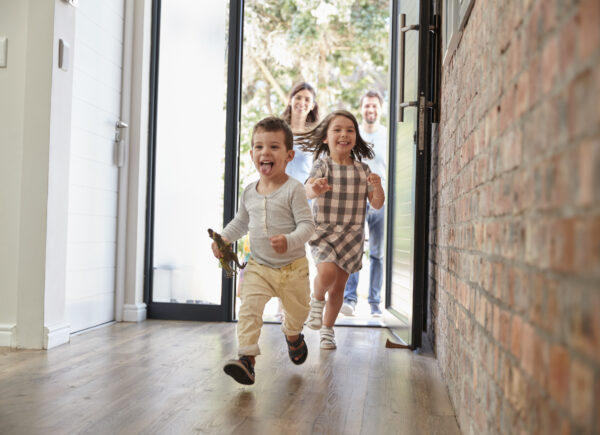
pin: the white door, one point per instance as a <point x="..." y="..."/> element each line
<point x="93" y="194"/>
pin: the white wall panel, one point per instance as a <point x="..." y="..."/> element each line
<point x="93" y="202"/>
<point x="89" y="228"/>
<point x="86" y="313"/>
<point x="94" y="178"/>
<point x="90" y="118"/>
<point x="82" y="254"/>
<point x="91" y="146"/>
<point x="89" y="62"/>
<point x="90" y="173"/>
<point x="92" y="35"/>
<point x="95" y="93"/>
<point x="87" y="283"/>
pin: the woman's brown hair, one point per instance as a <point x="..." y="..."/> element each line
<point x="313" y="115"/>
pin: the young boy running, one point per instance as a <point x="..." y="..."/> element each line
<point x="275" y="211"/>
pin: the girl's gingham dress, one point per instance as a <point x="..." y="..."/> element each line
<point x="340" y="214"/>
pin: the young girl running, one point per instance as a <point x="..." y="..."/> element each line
<point x="341" y="184"/>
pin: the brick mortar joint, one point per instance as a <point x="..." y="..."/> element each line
<point x="541" y="210"/>
<point x="572" y="278"/>
<point x="541" y="391"/>
<point x="516" y="126"/>
<point x="558" y="87"/>
<point x="548" y="337"/>
<point x="515" y="363"/>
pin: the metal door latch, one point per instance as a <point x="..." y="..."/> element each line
<point x="119" y="143"/>
<point x="434" y="29"/>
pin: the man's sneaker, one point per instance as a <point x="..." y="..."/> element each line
<point x="348" y="307"/>
<point x="375" y="311"/>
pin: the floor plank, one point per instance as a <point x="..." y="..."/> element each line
<point x="166" y="377"/>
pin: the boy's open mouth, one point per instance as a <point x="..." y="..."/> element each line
<point x="266" y="166"/>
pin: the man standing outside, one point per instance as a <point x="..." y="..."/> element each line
<point x="372" y="132"/>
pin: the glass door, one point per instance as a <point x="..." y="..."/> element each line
<point x="199" y="141"/>
<point x="409" y="184"/>
<point x="332" y="52"/>
<point x="193" y="156"/>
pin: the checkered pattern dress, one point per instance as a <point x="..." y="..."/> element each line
<point x="340" y="214"/>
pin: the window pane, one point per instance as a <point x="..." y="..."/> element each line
<point x="190" y="150"/>
<point x="341" y="48"/>
<point x="404" y="184"/>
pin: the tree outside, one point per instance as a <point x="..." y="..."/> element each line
<point x="340" y="47"/>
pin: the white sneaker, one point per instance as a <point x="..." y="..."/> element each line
<point x="327" y="338"/>
<point x="315" y="316"/>
<point x="348" y="308"/>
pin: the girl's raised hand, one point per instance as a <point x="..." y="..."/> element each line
<point x="318" y="186"/>
<point x="374" y="180"/>
<point x="377" y="196"/>
<point x="279" y="243"/>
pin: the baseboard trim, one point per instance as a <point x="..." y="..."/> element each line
<point x="7" y="335"/>
<point x="134" y="312"/>
<point x="57" y="334"/>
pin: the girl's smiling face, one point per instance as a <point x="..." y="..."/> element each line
<point x="341" y="138"/>
<point x="302" y="102"/>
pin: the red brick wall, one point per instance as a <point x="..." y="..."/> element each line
<point x="515" y="219"/>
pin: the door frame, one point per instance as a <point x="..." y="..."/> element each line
<point x="124" y="177"/>
<point x="422" y="167"/>
<point x="226" y="311"/>
<point x="178" y="311"/>
<point x="422" y="182"/>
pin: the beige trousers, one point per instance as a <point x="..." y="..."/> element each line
<point x="289" y="283"/>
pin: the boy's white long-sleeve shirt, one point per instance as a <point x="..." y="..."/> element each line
<point x="285" y="211"/>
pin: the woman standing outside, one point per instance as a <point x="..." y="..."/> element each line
<point x="301" y="113"/>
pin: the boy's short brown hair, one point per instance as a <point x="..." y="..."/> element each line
<point x="273" y="123"/>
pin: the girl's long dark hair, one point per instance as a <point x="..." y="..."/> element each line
<point x="313" y="115"/>
<point x="312" y="140"/>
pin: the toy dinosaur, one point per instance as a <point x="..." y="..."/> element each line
<point x="228" y="254"/>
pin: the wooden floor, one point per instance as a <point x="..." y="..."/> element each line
<point x="165" y="377"/>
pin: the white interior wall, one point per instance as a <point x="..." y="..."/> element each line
<point x="34" y="147"/>
<point x="34" y="174"/>
<point x="56" y="328"/>
<point x="13" y="25"/>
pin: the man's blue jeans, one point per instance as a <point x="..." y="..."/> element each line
<point x="375" y="220"/>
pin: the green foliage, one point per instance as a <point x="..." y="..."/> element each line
<point x="338" y="46"/>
